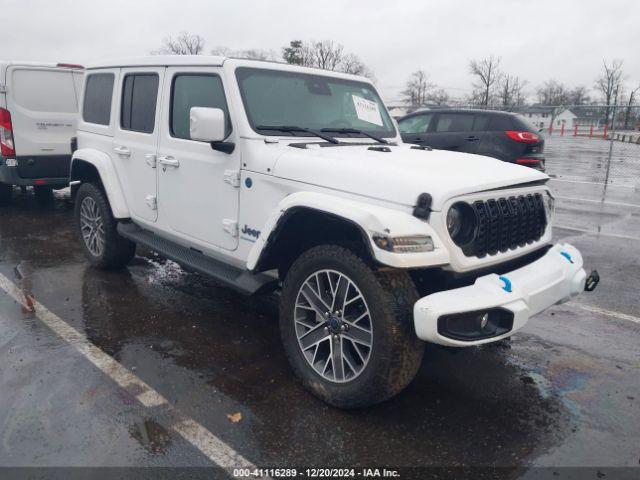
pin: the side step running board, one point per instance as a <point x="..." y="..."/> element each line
<point x="241" y="280"/>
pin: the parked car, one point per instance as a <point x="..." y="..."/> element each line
<point x="269" y="177"/>
<point x="38" y="110"/>
<point x="506" y="136"/>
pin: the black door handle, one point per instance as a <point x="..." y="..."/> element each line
<point x="472" y="138"/>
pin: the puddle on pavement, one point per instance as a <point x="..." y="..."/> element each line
<point x="151" y="435"/>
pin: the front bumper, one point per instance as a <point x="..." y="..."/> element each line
<point x="554" y="278"/>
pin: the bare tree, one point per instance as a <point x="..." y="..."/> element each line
<point x="630" y="103"/>
<point x="438" y="97"/>
<point x="554" y="93"/>
<point x="251" y="53"/>
<point x="487" y="75"/>
<point x="610" y="80"/>
<point x="511" y="91"/>
<point x="351" y="63"/>
<point x="609" y="83"/>
<point x="578" y="96"/>
<point x="184" y="44"/>
<point x="417" y="89"/>
<point x="325" y="54"/>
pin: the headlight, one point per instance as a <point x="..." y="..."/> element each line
<point x="549" y="205"/>
<point x="404" y="244"/>
<point x="454" y="221"/>
<point x="461" y="223"/>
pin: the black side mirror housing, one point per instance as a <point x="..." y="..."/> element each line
<point x="224" y="147"/>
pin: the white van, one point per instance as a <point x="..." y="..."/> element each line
<point x="38" y="109"/>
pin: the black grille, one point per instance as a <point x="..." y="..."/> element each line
<point x="506" y="224"/>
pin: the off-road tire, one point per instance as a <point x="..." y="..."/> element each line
<point x="43" y="194"/>
<point x="5" y="194"/>
<point x="396" y="353"/>
<point x="118" y="251"/>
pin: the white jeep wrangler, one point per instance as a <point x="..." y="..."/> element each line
<point x="267" y="176"/>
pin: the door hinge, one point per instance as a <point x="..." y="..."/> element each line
<point x="152" y="201"/>
<point x="3" y="88"/>
<point x="230" y="226"/>
<point x="232" y="177"/>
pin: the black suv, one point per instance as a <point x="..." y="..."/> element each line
<point x="502" y="135"/>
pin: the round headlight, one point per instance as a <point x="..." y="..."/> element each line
<point x="461" y="223"/>
<point x="454" y="220"/>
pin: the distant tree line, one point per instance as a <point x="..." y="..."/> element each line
<point x="325" y="54"/>
<point x="492" y="86"/>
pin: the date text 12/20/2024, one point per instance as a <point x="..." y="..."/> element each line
<point x="315" y="473"/>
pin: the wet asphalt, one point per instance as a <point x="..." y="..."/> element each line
<point x="565" y="391"/>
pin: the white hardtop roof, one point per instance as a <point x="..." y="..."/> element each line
<point x="160" y="61"/>
<point x="210" y="61"/>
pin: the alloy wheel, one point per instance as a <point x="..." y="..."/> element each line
<point x="333" y="326"/>
<point x="92" y="226"/>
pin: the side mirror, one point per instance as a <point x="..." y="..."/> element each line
<point x="206" y="124"/>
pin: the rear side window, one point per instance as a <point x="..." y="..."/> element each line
<point x="454" y="122"/>
<point x="59" y="96"/>
<point x="501" y="123"/>
<point x="97" y="98"/>
<point x="194" y="90"/>
<point x="522" y="123"/>
<point x="481" y="123"/>
<point x="415" y="124"/>
<point x="139" y="95"/>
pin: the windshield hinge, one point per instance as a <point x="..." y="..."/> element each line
<point x="230" y="226"/>
<point x="232" y="177"/>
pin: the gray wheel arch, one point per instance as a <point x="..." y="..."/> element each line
<point x="291" y="236"/>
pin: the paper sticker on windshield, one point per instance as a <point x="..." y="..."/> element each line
<point x="366" y="110"/>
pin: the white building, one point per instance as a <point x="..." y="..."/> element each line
<point x="541" y="117"/>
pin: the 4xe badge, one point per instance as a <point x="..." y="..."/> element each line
<point x="249" y="233"/>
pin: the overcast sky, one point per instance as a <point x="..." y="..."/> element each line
<point x="536" y="39"/>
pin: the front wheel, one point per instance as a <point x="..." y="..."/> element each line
<point x="347" y="329"/>
<point x="102" y="244"/>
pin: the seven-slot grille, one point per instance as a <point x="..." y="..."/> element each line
<point x="506" y="224"/>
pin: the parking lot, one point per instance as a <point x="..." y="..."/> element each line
<point x="153" y="366"/>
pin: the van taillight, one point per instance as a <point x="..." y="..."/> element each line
<point x="522" y="136"/>
<point x="7" y="148"/>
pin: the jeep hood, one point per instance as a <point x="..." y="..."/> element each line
<point x="400" y="175"/>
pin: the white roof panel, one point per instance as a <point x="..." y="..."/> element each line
<point x="159" y="61"/>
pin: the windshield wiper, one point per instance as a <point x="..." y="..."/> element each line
<point x="355" y="131"/>
<point x="292" y="128"/>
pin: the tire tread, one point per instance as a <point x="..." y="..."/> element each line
<point x="394" y="294"/>
<point x="118" y="250"/>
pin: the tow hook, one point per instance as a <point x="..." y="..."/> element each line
<point x="592" y="281"/>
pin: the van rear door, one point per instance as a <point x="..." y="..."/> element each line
<point x="43" y="102"/>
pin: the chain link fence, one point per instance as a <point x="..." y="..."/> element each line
<point x="599" y="144"/>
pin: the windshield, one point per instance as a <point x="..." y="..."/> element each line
<point x="317" y="102"/>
